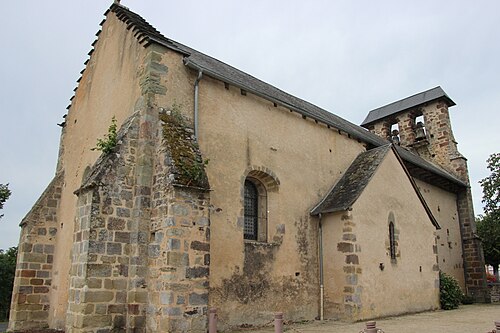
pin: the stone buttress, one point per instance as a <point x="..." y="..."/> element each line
<point x="140" y="259"/>
<point x="33" y="281"/>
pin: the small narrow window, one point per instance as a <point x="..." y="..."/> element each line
<point x="251" y="207"/>
<point x="392" y="241"/>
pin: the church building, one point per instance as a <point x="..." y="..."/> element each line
<point x="210" y="188"/>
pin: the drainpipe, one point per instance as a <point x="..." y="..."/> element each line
<point x="196" y="88"/>
<point x="321" y="286"/>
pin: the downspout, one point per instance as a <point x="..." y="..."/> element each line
<point x="196" y="89"/>
<point x="321" y="285"/>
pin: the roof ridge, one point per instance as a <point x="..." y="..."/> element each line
<point x="408" y="97"/>
<point x="405" y="104"/>
<point x="146" y="34"/>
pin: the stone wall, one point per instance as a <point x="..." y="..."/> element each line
<point x="179" y="248"/>
<point x="475" y="274"/>
<point x="141" y="247"/>
<point x="33" y="281"/>
<point x="179" y="257"/>
<point x="494" y="289"/>
<point x="351" y="266"/>
<point x="107" y="290"/>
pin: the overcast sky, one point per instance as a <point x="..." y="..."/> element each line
<point x="348" y="57"/>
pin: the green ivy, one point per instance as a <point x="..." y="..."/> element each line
<point x="450" y="294"/>
<point x="108" y="143"/>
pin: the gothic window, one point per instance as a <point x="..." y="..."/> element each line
<point x="255" y="210"/>
<point x="392" y="241"/>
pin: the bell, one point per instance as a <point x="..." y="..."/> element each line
<point x="420" y="132"/>
<point x="395" y="137"/>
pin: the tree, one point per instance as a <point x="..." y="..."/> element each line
<point x="491" y="185"/>
<point x="488" y="226"/>
<point x="7" y="272"/>
<point x="4" y="195"/>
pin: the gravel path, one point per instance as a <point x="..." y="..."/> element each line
<point x="477" y="318"/>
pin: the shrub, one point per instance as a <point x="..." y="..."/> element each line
<point x="467" y="300"/>
<point x="450" y="294"/>
<point x="108" y="143"/>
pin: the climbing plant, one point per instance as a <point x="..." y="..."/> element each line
<point x="108" y="143"/>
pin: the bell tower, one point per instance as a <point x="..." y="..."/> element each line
<point x="421" y="124"/>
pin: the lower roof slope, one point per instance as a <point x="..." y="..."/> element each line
<point x="350" y="186"/>
<point x="348" y="189"/>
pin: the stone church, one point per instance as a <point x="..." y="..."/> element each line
<point x="220" y="190"/>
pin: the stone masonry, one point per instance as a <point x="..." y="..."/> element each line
<point x="440" y="147"/>
<point x="352" y="269"/>
<point x="30" y="302"/>
<point x="140" y="258"/>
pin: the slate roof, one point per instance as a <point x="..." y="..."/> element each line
<point x="348" y="189"/>
<point x="146" y="34"/>
<point x="427" y="171"/>
<point x="405" y="104"/>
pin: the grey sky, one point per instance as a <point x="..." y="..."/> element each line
<point x="346" y="56"/>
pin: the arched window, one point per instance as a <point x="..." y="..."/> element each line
<point x="255" y="210"/>
<point x="392" y="241"/>
<point x="251" y="207"/>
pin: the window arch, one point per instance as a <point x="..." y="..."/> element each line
<point x="255" y="210"/>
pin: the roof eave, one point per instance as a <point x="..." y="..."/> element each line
<point x="442" y="96"/>
<point x="191" y="64"/>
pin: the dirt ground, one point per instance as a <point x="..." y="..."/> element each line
<point x="476" y="318"/>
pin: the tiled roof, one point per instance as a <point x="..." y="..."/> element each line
<point x="146" y="34"/>
<point x="405" y="104"/>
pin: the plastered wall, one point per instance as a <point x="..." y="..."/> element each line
<point x="109" y="87"/>
<point x="443" y="205"/>
<point x="242" y="134"/>
<point x="357" y="247"/>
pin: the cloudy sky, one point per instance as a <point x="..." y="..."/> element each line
<point x="346" y="56"/>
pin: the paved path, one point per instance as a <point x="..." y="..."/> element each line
<point x="477" y="318"/>
<point x="3" y="326"/>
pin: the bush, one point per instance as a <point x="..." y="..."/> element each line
<point x="467" y="300"/>
<point x="450" y="294"/>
